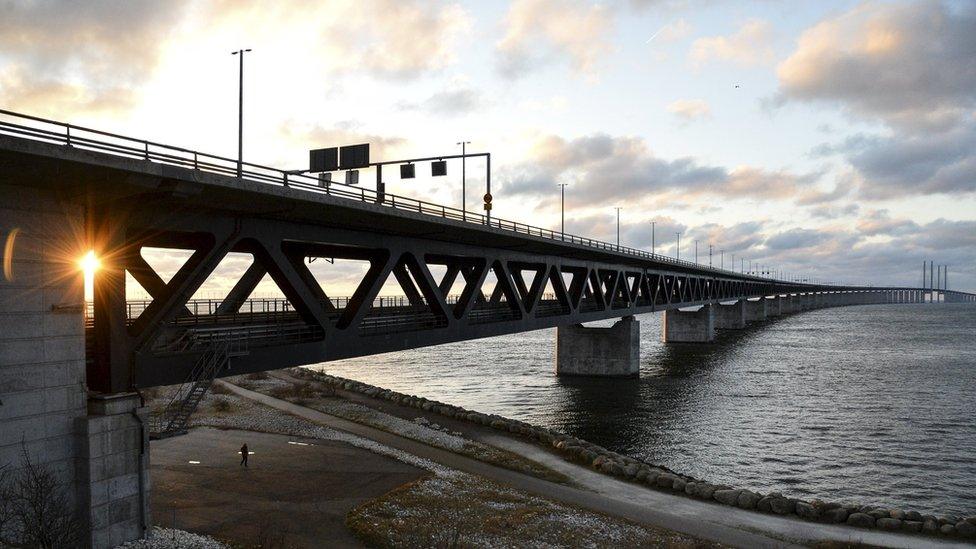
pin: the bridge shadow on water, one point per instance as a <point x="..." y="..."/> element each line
<point x="633" y="415"/>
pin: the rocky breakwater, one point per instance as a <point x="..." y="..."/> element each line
<point x="662" y="478"/>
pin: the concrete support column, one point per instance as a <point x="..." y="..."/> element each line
<point x="774" y="306"/>
<point x="689" y="326"/>
<point x="730" y="317"/>
<point x="755" y="310"/>
<point x="113" y="469"/>
<point x="787" y="304"/>
<point x="601" y="352"/>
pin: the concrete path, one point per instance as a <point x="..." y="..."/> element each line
<point x="608" y="495"/>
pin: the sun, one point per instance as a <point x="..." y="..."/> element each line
<point x="89" y="264"/>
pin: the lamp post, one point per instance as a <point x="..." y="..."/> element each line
<point x="709" y="256"/>
<point x="721" y="255"/>
<point x="464" y="179"/>
<point x="618" y="227"/>
<point x="696" y="252"/>
<point x="562" y="208"/>
<point x="677" y="249"/>
<point x="653" y="223"/>
<point x="240" y="113"/>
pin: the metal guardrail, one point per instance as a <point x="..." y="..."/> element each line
<point x="60" y="133"/>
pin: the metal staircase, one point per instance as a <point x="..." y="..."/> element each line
<point x="174" y="418"/>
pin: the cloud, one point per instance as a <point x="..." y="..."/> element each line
<point x="343" y="133"/>
<point x="62" y="56"/>
<point x="748" y="46"/>
<point x="690" y="109"/>
<point x="604" y="169"/>
<point x="671" y="32"/>
<point x="912" y="65"/>
<point x="879" y="222"/>
<point x="449" y="102"/>
<point x="541" y="32"/>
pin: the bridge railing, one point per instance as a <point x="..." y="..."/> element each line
<point x="50" y="131"/>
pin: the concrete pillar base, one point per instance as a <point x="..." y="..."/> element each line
<point x="730" y="317"/>
<point x="689" y="326"/>
<point x="113" y="469"/>
<point x="599" y="352"/>
<point x="755" y="310"/>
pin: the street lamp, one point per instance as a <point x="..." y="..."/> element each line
<point x="696" y="252"/>
<point x="721" y="254"/>
<point x="240" y="113"/>
<point x="562" y="207"/>
<point x="618" y="227"/>
<point x="464" y="158"/>
<point x="677" y="249"/>
<point x="709" y="256"/>
<point x="653" y="223"/>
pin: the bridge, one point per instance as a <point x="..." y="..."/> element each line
<point x="462" y="275"/>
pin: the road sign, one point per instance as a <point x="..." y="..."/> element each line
<point x="487" y="198"/>
<point x="487" y="206"/>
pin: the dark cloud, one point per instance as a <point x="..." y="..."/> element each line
<point x="605" y="169"/>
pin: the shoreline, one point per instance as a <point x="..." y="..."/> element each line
<point x="859" y="518"/>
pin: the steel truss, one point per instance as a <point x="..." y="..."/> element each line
<point x="161" y="344"/>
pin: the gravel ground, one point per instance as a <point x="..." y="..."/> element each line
<point x="248" y="416"/>
<point x="168" y="538"/>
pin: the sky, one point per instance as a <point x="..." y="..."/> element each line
<point x="830" y="139"/>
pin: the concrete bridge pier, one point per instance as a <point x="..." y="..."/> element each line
<point x="599" y="352"/>
<point x="755" y="310"/>
<point x="730" y="317"/>
<point x="95" y="446"/>
<point x="689" y="326"/>
<point x="786" y="306"/>
<point x="774" y="306"/>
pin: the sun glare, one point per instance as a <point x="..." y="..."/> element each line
<point x="89" y="264"/>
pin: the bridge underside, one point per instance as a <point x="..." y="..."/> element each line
<point x="501" y="291"/>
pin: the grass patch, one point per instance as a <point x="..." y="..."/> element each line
<point x="468" y="511"/>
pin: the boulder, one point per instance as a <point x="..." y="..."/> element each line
<point x="764" y="504"/>
<point x="863" y="520"/>
<point x="679" y="484"/>
<point x="630" y="471"/>
<point x="888" y="523"/>
<point x="666" y="480"/>
<point x="897" y="514"/>
<point x="599" y="460"/>
<point x="911" y="525"/>
<point x="836" y="515"/>
<point x="726" y="497"/>
<point x="930" y="525"/>
<point x="705" y="490"/>
<point x="747" y="499"/>
<point x="783" y="506"/>
<point x="947" y="529"/>
<point x="966" y="529"/>
<point x="690" y="488"/>
<point x="807" y="511"/>
<point x="879" y="513"/>
<point x="642" y="473"/>
<point x="914" y="516"/>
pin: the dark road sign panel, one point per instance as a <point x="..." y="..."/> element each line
<point x="323" y="160"/>
<point x="354" y="156"/>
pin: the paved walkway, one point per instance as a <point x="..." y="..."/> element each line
<point x="294" y="489"/>
<point x="608" y="495"/>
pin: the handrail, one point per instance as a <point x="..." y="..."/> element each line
<point x="150" y="151"/>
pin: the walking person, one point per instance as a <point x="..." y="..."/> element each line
<point x="244" y="455"/>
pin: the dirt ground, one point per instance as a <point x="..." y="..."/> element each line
<point x="294" y="495"/>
